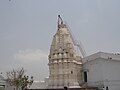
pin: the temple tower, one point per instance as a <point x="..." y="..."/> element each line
<point x="65" y="65"/>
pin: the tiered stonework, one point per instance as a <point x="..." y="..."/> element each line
<point x="64" y="65"/>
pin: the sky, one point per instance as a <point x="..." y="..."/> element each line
<point x="27" y="28"/>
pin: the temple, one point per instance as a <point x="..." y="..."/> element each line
<point x="65" y="65"/>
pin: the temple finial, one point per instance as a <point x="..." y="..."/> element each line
<point x="60" y="21"/>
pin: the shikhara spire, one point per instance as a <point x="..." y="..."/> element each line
<point x="64" y="64"/>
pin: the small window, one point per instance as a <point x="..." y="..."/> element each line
<point x="71" y="72"/>
<point x="85" y="76"/>
<point x="107" y="88"/>
<point x="65" y="88"/>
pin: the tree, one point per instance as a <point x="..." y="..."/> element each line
<point x="18" y="79"/>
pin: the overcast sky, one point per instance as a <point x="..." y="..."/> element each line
<point x="27" y="28"/>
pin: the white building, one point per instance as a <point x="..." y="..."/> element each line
<point x="64" y="64"/>
<point x="102" y="70"/>
<point x="4" y="85"/>
<point x="40" y="84"/>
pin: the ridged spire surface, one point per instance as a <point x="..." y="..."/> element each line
<point x="64" y="64"/>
